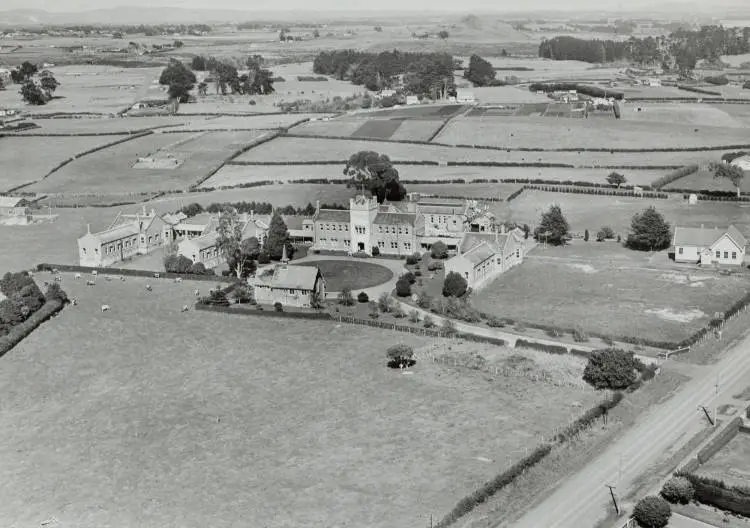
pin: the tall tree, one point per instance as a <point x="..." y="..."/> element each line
<point x="48" y="82"/>
<point x="553" y="227"/>
<point x="229" y="233"/>
<point x="278" y="237"/>
<point x="33" y="94"/>
<point x="242" y="263"/>
<point x="649" y="231"/>
<point x="615" y="178"/>
<point x="179" y="79"/>
<point x="733" y="173"/>
<point x="376" y="173"/>
<point x="480" y="72"/>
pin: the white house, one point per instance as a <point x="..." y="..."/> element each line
<point x="709" y="246"/>
<point x="484" y="256"/>
<point x="743" y="162"/>
<point x="412" y="100"/>
<point x="465" y="96"/>
<point x="288" y="285"/>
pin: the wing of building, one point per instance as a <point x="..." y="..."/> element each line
<point x="709" y="246"/>
<point x="289" y="285"/>
<point x="484" y="256"/>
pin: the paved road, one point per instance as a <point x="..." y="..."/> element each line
<point x="583" y="499"/>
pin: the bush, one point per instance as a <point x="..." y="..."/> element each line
<point x="243" y="295"/>
<point x="385" y="303"/>
<point x="605" y="233"/>
<point x="717" y="80"/>
<point x="345" y="297"/>
<point x="177" y="264"/>
<point x="410" y="276"/>
<point x="435" y="265"/>
<point x="414" y="316"/>
<point x="264" y="258"/>
<point x="454" y="285"/>
<point x="678" y="490"/>
<point x="362" y="297"/>
<point x="199" y="269"/>
<point x="278" y="307"/>
<point x="439" y="250"/>
<point x="734" y="499"/>
<point x="400" y="356"/>
<point x="586" y="236"/>
<point x="424" y="300"/>
<point x="580" y="336"/>
<point x="555" y="332"/>
<point x="56" y="293"/>
<point x="216" y="298"/>
<point x="429" y="322"/>
<point x="414" y="258"/>
<point x="611" y="368"/>
<point x="448" y="327"/>
<point x="403" y="287"/>
<point x="652" y="512"/>
<point x="494" y="322"/>
<point x="375" y="251"/>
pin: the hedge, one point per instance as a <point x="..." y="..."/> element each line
<point x="21" y="330"/>
<point x="675" y="175"/>
<point x="243" y="310"/>
<point x="588" y="418"/>
<point x="720" y="440"/>
<point x="598" y="192"/>
<point x="551" y="349"/>
<point x="698" y="90"/>
<point x="717" y="493"/>
<point x="509" y="164"/>
<point x="133" y="272"/>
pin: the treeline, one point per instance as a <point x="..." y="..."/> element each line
<point x="264" y="208"/>
<point x="257" y="81"/>
<point x="571" y="48"/>
<point x="428" y="74"/>
<point x="591" y="91"/>
<point x="148" y="30"/>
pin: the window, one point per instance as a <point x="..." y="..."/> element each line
<point x="380" y="229"/>
<point x="84" y="250"/>
<point x="407" y="245"/>
<point x="734" y="255"/>
<point x="726" y="254"/>
<point x="96" y="250"/>
<point x="467" y="274"/>
<point x="394" y="245"/>
<point x="399" y="230"/>
<point x="381" y="244"/>
<point x="518" y="253"/>
<point x="347" y="242"/>
<point x="679" y="251"/>
<point x="150" y="239"/>
<point x="406" y="230"/>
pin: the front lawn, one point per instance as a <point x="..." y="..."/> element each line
<point x="354" y="274"/>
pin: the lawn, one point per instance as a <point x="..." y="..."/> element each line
<point x="298" y="149"/>
<point x="556" y="287"/>
<point x="680" y="113"/>
<point x="356" y="275"/>
<point x="31" y="158"/>
<point x="551" y="133"/>
<point x="704" y="180"/>
<point x="111" y="170"/>
<point x="732" y="463"/>
<point x="361" y="126"/>
<point x="302" y="426"/>
<point x="112" y="125"/>
<point x="377" y="128"/>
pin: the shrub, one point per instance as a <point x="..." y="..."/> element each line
<point x="439" y="250"/>
<point x="177" y="264"/>
<point x="435" y="265"/>
<point x="586" y="236"/>
<point x="278" y="307"/>
<point x="417" y="273"/>
<point x="216" y="298"/>
<point x="555" y="332"/>
<point x="385" y="304"/>
<point x="424" y="300"/>
<point x="611" y="368"/>
<point x="580" y="336"/>
<point x="652" y="512"/>
<point x="717" y="80"/>
<point x="678" y="490"/>
<point x="243" y="295"/>
<point x="605" y="233"/>
<point x="429" y="322"/>
<point x="398" y="312"/>
<point x="448" y="327"/>
<point x="264" y="258"/>
<point x="494" y="322"/>
<point x="56" y="293"/>
<point x="199" y="269"/>
<point x="454" y="285"/>
<point x="345" y="297"/>
<point x="735" y="499"/>
<point x="375" y="251"/>
<point x="414" y="258"/>
<point x="403" y="287"/>
<point x="400" y="356"/>
<point x="362" y="297"/>
<point x="410" y="276"/>
<point x="414" y="316"/>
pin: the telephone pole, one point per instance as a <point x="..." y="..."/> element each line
<point x="614" y="500"/>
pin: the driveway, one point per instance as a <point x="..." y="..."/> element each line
<point x="373" y="292"/>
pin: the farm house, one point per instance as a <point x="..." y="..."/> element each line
<point x="709" y="246"/>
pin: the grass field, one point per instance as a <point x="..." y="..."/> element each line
<point x="215" y="420"/>
<point x="111" y="170"/>
<point x="98" y="125"/>
<point x="732" y="463"/>
<point x="33" y="158"/>
<point x="704" y="180"/>
<point x="538" y="132"/>
<point x="340" y="274"/>
<point x="592" y="212"/>
<point x="609" y="297"/>
<point x="682" y="114"/>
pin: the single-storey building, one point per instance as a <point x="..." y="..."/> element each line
<point x="195" y="226"/>
<point x="743" y="162"/>
<point x="288" y="285"/>
<point x="13" y="206"/>
<point x="704" y="246"/>
<point x="201" y="249"/>
<point x="484" y="256"/>
<point x="465" y="96"/>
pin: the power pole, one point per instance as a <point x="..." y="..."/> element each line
<point x="614" y="500"/>
<point x="711" y="420"/>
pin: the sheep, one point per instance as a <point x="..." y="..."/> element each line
<point x="74" y="301"/>
<point x="122" y="279"/>
<point x="105" y="307"/>
<point x="178" y="280"/>
<point x="94" y="273"/>
<point x="58" y="279"/>
<point x="78" y="276"/>
<point x="185" y="308"/>
<point x="196" y="293"/>
<point x="156" y="275"/>
<point x="148" y="287"/>
<point x="108" y="278"/>
<point x="90" y="283"/>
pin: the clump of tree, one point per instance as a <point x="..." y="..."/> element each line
<point x="400" y="356"/>
<point x="22" y="298"/>
<point x="615" y="178"/>
<point x="403" y="286"/>
<point x="454" y="285"/>
<point x="443" y="34"/>
<point x="649" y="231"/>
<point x="678" y="490"/>
<point x="480" y="72"/>
<point x="553" y="227"/>
<point x="716" y="80"/>
<point x="605" y="233"/>
<point x="612" y="368"/>
<point x="278" y="238"/>
<point x="652" y="512"/>
<point x="24" y="72"/>
<point x="35" y="91"/>
<point x="730" y="172"/>
<point x="375" y="173"/>
<point x="439" y="250"/>
<point x="345" y="297"/>
<point x="179" y="80"/>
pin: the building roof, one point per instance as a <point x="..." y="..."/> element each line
<point x="479" y="253"/>
<point x="202" y="219"/>
<point x="332" y="215"/>
<point x="293" y="222"/>
<point x="115" y="233"/>
<point x="173" y="219"/>
<point x="290" y="277"/>
<point x="11" y="201"/>
<point x="395" y="218"/>
<point x="702" y="237"/>
<point x="204" y="241"/>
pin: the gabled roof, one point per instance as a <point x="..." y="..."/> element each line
<point x="173" y="219"/>
<point x="293" y="222"/>
<point x="479" y="253"/>
<point x="290" y="277"/>
<point x="202" y="219"/>
<point x="703" y="237"/>
<point x="497" y="241"/>
<point x="11" y="201"/>
<point x="332" y="215"/>
<point x="115" y="233"/>
<point x="204" y="241"/>
<point x="395" y="219"/>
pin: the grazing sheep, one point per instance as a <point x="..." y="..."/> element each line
<point x="58" y="279"/>
<point x="178" y="280"/>
<point x="105" y="308"/>
<point x="185" y="308"/>
<point x="108" y="278"/>
<point x="78" y="276"/>
<point x="196" y="293"/>
<point x="74" y="302"/>
<point x="148" y="287"/>
<point x="156" y="275"/>
<point x="90" y="283"/>
<point x="122" y="279"/>
<point x="94" y="273"/>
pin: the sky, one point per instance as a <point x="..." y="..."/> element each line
<point x="348" y="5"/>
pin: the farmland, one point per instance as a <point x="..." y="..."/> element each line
<point x="732" y="463"/>
<point x="188" y="425"/>
<point x="704" y="180"/>
<point x="601" y="295"/>
<point x="112" y="170"/>
<point x="694" y="114"/>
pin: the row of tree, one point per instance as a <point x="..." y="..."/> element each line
<point x="257" y="81"/>
<point x="427" y="74"/>
<point x="37" y="87"/>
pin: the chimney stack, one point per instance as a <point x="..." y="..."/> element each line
<point x="317" y="207"/>
<point x="88" y="229"/>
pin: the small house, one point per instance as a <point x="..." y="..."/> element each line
<point x="743" y="162"/>
<point x="13" y="206"/>
<point x="699" y="245"/>
<point x="483" y="256"/>
<point x="289" y="285"/>
<point x="465" y="97"/>
<point x="412" y="100"/>
<point x="201" y="249"/>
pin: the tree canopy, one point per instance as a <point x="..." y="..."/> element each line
<point x="733" y="173"/>
<point x="615" y="178"/>
<point x="553" y="227"/>
<point x="454" y="285"/>
<point x="376" y="173"/>
<point x="278" y="237"/>
<point x="480" y="72"/>
<point x="649" y="231"/>
<point x="179" y="79"/>
<point x="33" y="94"/>
<point x="652" y="512"/>
<point x="229" y="233"/>
<point x="612" y="368"/>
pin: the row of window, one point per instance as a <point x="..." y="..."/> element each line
<point x="718" y="254"/>
<point x="334" y="227"/>
<point x="441" y="219"/>
<point x="392" y="229"/>
<point x="394" y="245"/>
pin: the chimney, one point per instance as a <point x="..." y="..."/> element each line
<point x="317" y="207"/>
<point x="88" y="229"/>
<point x="284" y="258"/>
<point x="144" y="210"/>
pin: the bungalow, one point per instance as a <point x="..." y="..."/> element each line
<point x="465" y="96"/>
<point x="289" y="285"/>
<point x="484" y="256"/>
<point x="709" y="246"/>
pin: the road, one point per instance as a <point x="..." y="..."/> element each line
<point x="583" y="499"/>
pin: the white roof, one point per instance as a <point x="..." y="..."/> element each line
<point x="10" y="201"/>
